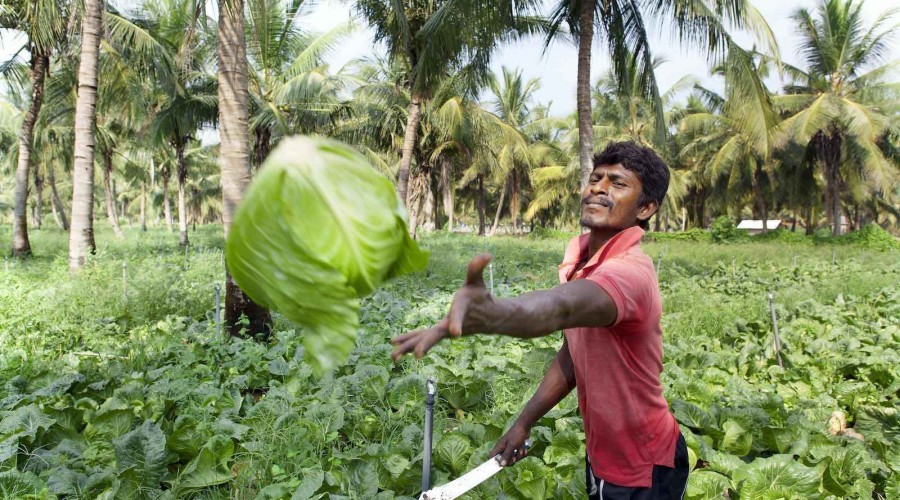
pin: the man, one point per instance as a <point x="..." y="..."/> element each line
<point x="609" y="306"/>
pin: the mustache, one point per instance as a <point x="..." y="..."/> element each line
<point x="600" y="200"/>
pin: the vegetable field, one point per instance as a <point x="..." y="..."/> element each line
<point x="115" y="383"/>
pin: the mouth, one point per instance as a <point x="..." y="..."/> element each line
<point x="597" y="202"/>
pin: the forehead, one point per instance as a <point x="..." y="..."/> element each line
<point x="616" y="170"/>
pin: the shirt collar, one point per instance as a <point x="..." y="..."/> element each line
<point x="579" y="247"/>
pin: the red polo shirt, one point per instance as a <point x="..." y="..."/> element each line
<point x="626" y="418"/>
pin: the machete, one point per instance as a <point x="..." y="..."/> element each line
<point x="469" y="480"/>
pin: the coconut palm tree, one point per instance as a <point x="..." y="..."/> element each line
<point x="556" y="172"/>
<point x="131" y="61"/>
<point x="622" y="24"/>
<point x="833" y="104"/>
<point x="512" y="102"/>
<point x="185" y="98"/>
<point x="291" y="88"/>
<point x="81" y="232"/>
<point x="488" y="148"/>
<point x="436" y="38"/>
<point x="42" y="21"/>
<point x="234" y="130"/>
<point x="735" y="132"/>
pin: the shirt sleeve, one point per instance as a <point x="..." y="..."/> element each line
<point x="627" y="285"/>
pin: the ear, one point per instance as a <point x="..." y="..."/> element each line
<point x="647" y="210"/>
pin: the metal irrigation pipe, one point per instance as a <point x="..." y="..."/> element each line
<point x="430" y="392"/>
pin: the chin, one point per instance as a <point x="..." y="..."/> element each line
<point x="589" y="222"/>
<point x="601" y="224"/>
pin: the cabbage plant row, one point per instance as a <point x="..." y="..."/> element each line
<point x="104" y="396"/>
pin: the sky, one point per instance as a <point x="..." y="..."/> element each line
<point x="557" y="67"/>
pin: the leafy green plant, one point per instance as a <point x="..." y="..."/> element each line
<point x="871" y="237"/>
<point x="319" y="228"/>
<point x="783" y="235"/>
<point x="723" y="230"/>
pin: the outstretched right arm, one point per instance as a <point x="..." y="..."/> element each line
<point x="558" y="382"/>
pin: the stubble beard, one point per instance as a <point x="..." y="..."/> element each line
<point x="588" y="222"/>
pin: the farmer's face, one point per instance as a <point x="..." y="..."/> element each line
<point x="610" y="200"/>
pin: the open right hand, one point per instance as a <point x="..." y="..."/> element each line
<point x="467" y="315"/>
<point x="511" y="447"/>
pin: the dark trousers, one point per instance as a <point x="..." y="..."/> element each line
<point x="668" y="483"/>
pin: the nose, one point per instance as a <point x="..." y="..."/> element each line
<point x="599" y="187"/>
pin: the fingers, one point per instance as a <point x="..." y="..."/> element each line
<point x="510" y="452"/>
<point x="475" y="271"/>
<point x="507" y="457"/>
<point x="455" y="318"/>
<point x="419" y="341"/>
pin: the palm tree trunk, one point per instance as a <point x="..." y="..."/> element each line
<point x="234" y="131"/>
<point x="81" y="235"/>
<point x="810" y="221"/>
<point x="261" y="146"/>
<point x="56" y="201"/>
<point x="38" y="199"/>
<point x="830" y="155"/>
<point x="21" y="247"/>
<point x="107" y="188"/>
<point x="480" y="205"/>
<point x="417" y="195"/>
<point x="143" y="207"/>
<point x="409" y="142"/>
<point x="514" y="200"/>
<point x="447" y="191"/>
<point x="428" y="206"/>
<point x="499" y="210"/>
<point x="167" y="203"/>
<point x="583" y="91"/>
<point x="182" y="203"/>
<point x="55" y="213"/>
<point x="760" y="197"/>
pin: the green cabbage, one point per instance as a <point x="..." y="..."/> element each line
<point x="319" y="228"/>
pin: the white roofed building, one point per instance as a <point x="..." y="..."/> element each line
<point x="756" y="226"/>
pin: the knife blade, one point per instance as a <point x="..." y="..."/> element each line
<point x="459" y="486"/>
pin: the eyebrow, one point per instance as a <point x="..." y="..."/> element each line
<point x="614" y="176"/>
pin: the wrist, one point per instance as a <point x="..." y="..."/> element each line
<point x="495" y="315"/>
<point x="524" y="424"/>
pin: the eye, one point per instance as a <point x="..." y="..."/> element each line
<point x="619" y="184"/>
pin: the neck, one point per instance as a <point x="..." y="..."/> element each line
<point x="599" y="237"/>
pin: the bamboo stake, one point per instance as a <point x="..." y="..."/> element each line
<point x="775" y="328"/>
<point x="491" y="274"/>
<point x="218" y="311"/>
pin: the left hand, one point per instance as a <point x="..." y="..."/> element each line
<point x="466" y="314"/>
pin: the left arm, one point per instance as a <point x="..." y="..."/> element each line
<point x="533" y="314"/>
